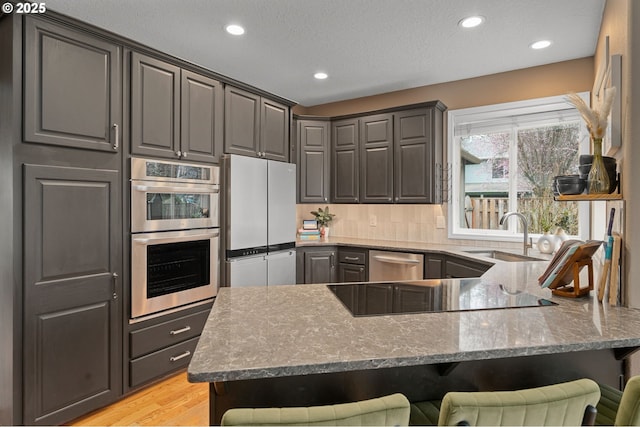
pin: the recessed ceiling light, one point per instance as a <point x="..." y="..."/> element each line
<point x="320" y="75"/>
<point x="234" y="29"/>
<point x="471" y="21"/>
<point x="540" y="44"/>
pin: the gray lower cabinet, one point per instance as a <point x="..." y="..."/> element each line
<point x="416" y="299"/>
<point x="352" y="265"/>
<point x="72" y="310"/>
<point x="157" y="349"/>
<point x="376" y="159"/>
<point x="434" y="266"/>
<point x="175" y="113"/>
<point x="345" y="164"/>
<point x="255" y="126"/>
<point x="75" y="102"/>
<point x="316" y="265"/>
<point x="313" y="137"/>
<point x="459" y="268"/>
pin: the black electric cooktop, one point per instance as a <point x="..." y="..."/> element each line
<point x="368" y="299"/>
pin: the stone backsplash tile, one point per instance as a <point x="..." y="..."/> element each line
<point x="406" y="223"/>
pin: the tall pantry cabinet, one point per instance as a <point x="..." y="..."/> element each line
<point x="67" y="219"/>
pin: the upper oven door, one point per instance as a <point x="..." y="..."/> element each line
<point x="173" y="206"/>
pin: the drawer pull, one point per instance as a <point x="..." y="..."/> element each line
<point x="351" y="258"/>
<point x="181" y="356"/>
<point x="180" y="331"/>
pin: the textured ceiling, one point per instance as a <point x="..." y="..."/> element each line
<point x="366" y="46"/>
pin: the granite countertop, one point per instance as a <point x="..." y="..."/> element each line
<point x="263" y="332"/>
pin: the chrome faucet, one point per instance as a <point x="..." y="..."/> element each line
<point x="527" y="244"/>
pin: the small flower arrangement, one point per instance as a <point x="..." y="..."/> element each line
<point x="595" y="119"/>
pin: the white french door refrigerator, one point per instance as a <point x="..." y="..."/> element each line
<point x="260" y="221"/>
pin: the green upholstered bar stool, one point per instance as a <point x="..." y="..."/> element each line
<point x="570" y="403"/>
<point x="619" y="408"/>
<point x="392" y="410"/>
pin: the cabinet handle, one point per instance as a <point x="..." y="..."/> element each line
<point x="184" y="154"/>
<point x="178" y="153"/>
<point x="351" y="258"/>
<point x="181" y="356"/>
<point x="116" y="136"/>
<point x="325" y="199"/>
<point x="180" y="331"/>
<point x="114" y="278"/>
<point x="331" y="261"/>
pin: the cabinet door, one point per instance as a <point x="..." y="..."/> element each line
<point x="202" y="115"/>
<point x="417" y="159"/>
<point x="320" y="267"/>
<point x="433" y="267"/>
<point x="313" y="164"/>
<point x="417" y="299"/>
<point x="375" y="298"/>
<point x="242" y="122"/>
<point x="456" y="268"/>
<point x="351" y="273"/>
<point x="72" y="256"/>
<point x="72" y="89"/>
<point x="155" y="107"/>
<point x="274" y="130"/>
<point x="376" y="159"/>
<point x="345" y="164"/>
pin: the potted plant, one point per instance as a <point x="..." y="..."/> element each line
<point x="324" y="218"/>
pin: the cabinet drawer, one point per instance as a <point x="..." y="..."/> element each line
<point x="161" y="362"/>
<point x="352" y="257"/>
<point x="152" y="338"/>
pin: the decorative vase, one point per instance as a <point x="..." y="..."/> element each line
<point x="324" y="231"/>
<point x="598" y="179"/>
<point x="561" y="237"/>
<point x="546" y="243"/>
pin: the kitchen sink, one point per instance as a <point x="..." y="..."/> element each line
<point x="503" y="256"/>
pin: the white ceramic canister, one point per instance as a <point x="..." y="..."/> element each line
<point x="561" y="236"/>
<point x="547" y="243"/>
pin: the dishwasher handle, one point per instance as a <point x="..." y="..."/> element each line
<point x="395" y="260"/>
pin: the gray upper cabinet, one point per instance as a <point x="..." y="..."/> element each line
<point x="345" y="163"/>
<point x="376" y="159"/>
<point x="242" y="122"/>
<point x="75" y="102"/>
<point x="255" y="126"/>
<point x="202" y="118"/>
<point x="155" y="107"/>
<point x="313" y="162"/>
<point x="418" y="155"/>
<point x="72" y="269"/>
<point x="274" y="130"/>
<point x="392" y="157"/>
<point x="175" y="113"/>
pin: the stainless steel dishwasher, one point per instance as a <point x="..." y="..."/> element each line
<point x="384" y="265"/>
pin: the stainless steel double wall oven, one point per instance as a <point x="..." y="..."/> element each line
<point x="175" y="231"/>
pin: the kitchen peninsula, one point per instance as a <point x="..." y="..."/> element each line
<point x="299" y="345"/>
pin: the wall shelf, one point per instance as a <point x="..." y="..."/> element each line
<point x="587" y="197"/>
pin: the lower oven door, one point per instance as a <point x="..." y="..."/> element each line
<point x="173" y="268"/>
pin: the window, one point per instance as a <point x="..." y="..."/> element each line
<point x="504" y="158"/>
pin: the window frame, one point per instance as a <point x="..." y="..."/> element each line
<point x="496" y="112"/>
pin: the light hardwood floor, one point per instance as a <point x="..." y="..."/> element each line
<point x="172" y="402"/>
